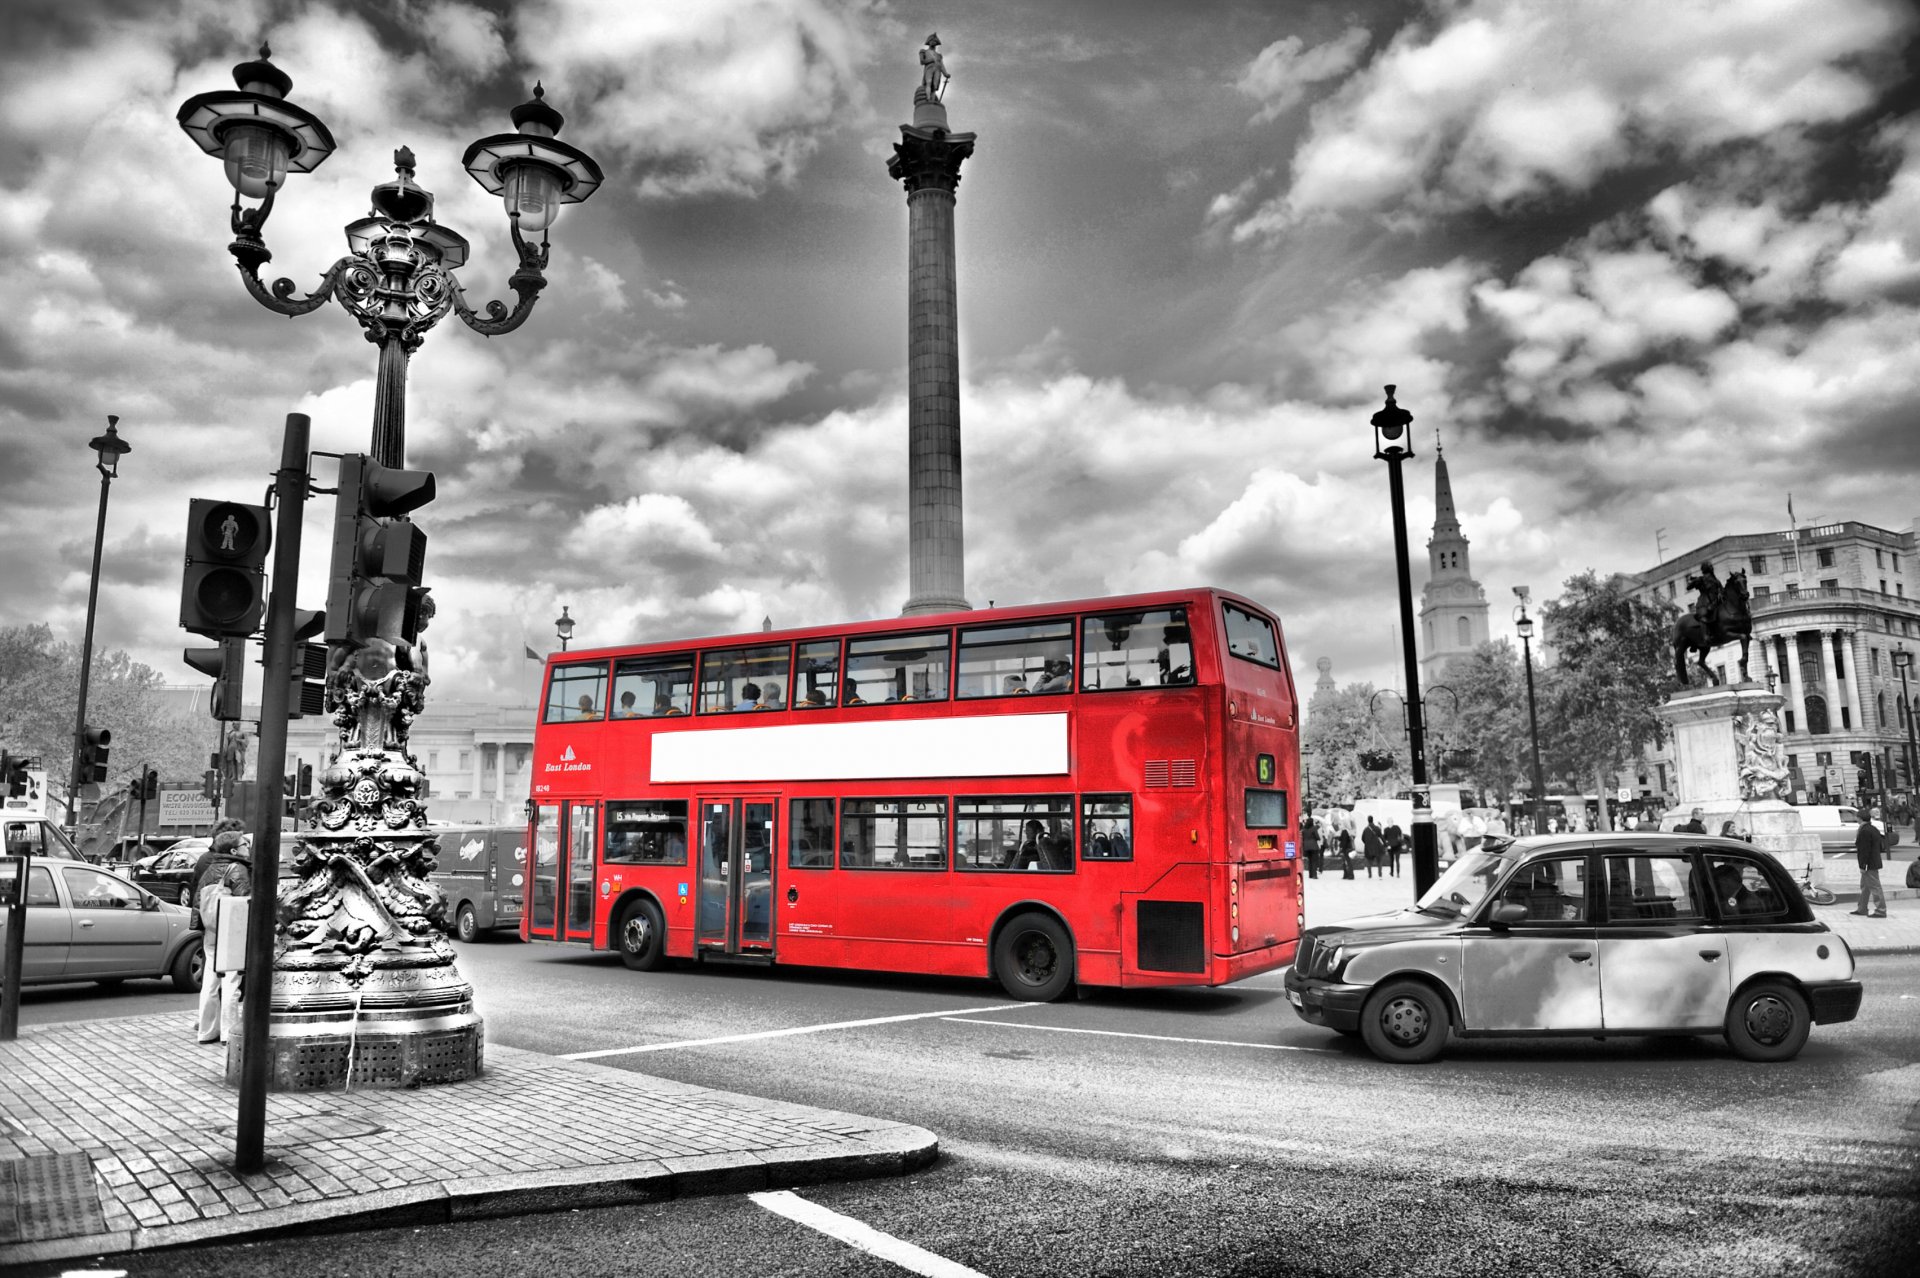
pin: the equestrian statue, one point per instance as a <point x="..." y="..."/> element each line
<point x="1719" y="616"/>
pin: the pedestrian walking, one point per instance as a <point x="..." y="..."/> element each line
<point x="1871" y="846"/>
<point x="1396" y="844"/>
<point x="222" y="872"/>
<point x="1374" y="846"/>
<point x="1310" y="844"/>
<point x="1346" y="853"/>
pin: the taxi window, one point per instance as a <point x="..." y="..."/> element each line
<point x="92" y="890"/>
<point x="39" y="884"/>
<point x="1643" y="888"/>
<point x="1553" y="890"/>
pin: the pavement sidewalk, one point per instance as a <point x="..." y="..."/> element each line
<point x="1331" y="898"/>
<point x="118" y="1135"/>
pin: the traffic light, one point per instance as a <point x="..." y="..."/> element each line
<point x="226" y="664"/>
<point x="93" y="754"/>
<point x="13" y="776"/>
<point x="303" y="785"/>
<point x="224" y="592"/>
<point x="150" y="784"/>
<point x="210" y="785"/>
<point x="309" y="692"/>
<point x="374" y="588"/>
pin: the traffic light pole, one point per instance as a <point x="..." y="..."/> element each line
<point x="290" y="491"/>
<point x="75" y="779"/>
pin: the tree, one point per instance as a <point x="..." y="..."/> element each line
<point x="1613" y="666"/>
<point x="1340" y="726"/>
<point x="1491" y="726"/>
<point x="40" y="687"/>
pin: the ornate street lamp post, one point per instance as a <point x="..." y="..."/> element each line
<point x="397" y="278"/>
<point x="563" y="626"/>
<point x="109" y="449"/>
<point x="1393" y="444"/>
<point x="363" y="918"/>
<point x="1523" y="624"/>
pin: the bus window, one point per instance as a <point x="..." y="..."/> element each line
<point x="1251" y="637"/>
<point x="647" y="832"/>
<point x="744" y="679"/>
<point x="896" y="668"/>
<point x="1136" y="650"/>
<point x="893" y="834"/>
<point x="577" y="694"/>
<point x="1266" y="809"/>
<point x="810" y="834"/>
<point x="1009" y="661"/>
<point x="816" y="682"/>
<point x="644" y="687"/>
<point x="1014" y="832"/>
<point x="1106" y="824"/>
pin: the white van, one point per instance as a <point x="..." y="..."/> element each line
<point x="1836" y="826"/>
<point x="1385" y="812"/>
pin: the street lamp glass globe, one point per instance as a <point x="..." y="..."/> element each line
<point x="532" y="191"/>
<point x="1524" y="627"/>
<point x="256" y="158"/>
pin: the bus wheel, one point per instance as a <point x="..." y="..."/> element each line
<point x="1033" y="959"/>
<point x="465" y="926"/>
<point x="642" y="936"/>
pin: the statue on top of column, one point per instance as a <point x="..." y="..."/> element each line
<point x="933" y="72"/>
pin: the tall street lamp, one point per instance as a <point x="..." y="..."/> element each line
<point x="397" y="281"/>
<point x="563" y="626"/>
<point x="109" y="449"/>
<point x="1903" y="661"/>
<point x="1393" y="444"/>
<point x="1523" y="624"/>
<point x="397" y="278"/>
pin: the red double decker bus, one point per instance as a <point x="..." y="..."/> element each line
<point x="1097" y="791"/>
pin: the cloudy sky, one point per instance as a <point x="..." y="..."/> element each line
<point x="1643" y="264"/>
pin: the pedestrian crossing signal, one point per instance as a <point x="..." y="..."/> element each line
<point x="224" y="591"/>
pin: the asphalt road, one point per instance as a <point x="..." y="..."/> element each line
<point x="1195" y="1132"/>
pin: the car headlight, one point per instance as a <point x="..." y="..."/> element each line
<point x="1332" y="960"/>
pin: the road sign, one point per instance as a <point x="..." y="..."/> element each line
<point x="185" y="807"/>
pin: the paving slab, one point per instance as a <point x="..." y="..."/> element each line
<point x="118" y="1135"/>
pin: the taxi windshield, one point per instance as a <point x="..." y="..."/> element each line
<point x="1464" y="885"/>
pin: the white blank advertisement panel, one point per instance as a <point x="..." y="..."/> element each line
<point x="986" y="745"/>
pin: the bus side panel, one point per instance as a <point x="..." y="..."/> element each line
<point x="1163" y="930"/>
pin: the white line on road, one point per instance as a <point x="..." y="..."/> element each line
<point x="1158" y="1038"/>
<point x="779" y="1033"/>
<point x="865" y="1237"/>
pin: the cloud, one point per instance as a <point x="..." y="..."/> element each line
<point x="1280" y="74"/>
<point x="1498" y="103"/>
<point x="723" y="97"/>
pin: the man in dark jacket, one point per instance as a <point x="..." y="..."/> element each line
<point x="224" y="871"/>
<point x="1374" y="846"/>
<point x="1870" y="847"/>
<point x="1310" y="844"/>
<point x="1692" y="826"/>
<point x="1396" y="841"/>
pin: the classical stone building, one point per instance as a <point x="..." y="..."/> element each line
<point x="476" y="757"/>
<point x="1831" y="605"/>
<point x="1453" y="607"/>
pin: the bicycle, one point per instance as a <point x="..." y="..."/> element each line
<point x="1815" y="894"/>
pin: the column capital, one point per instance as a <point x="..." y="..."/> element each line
<point x="929" y="158"/>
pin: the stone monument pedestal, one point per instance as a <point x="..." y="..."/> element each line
<point x="1728" y="752"/>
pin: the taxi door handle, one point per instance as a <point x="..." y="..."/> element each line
<point x="1709" y="955"/>
<point x="86" y="922"/>
<point x="1580" y="956"/>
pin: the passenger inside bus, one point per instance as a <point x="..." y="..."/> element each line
<point x="1016" y="685"/>
<point x="627" y="708"/>
<point x="586" y="707"/>
<point x="853" y="697"/>
<point x="770" y="698"/>
<point x="749" y="697"/>
<point x="1056" y="675"/>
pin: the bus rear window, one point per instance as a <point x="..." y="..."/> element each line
<point x="577" y="694"/>
<point x="1251" y="638"/>
<point x="1136" y="650"/>
<point x="1266" y="809"/>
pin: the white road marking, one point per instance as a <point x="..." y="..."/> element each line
<point x="778" y="1033"/>
<point x="864" y="1237"/>
<point x="1158" y="1038"/>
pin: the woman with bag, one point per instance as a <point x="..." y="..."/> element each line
<point x="225" y="871"/>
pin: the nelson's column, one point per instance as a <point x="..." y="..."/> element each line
<point x="927" y="162"/>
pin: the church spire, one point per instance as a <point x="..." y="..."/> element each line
<point x="1446" y="524"/>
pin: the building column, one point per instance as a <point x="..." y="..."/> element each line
<point x="927" y="161"/>
<point x="500" y="773"/>
<point x="1829" y="652"/>
<point x="1856" y="651"/>
<point x="1797" y="663"/>
<point x="475" y="791"/>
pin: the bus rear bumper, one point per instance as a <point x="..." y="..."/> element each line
<point x="1234" y="967"/>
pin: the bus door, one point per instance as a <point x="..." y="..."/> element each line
<point x="560" y="880"/>
<point x="735" y="906"/>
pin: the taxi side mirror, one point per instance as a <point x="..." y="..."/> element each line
<point x="1507" y="913"/>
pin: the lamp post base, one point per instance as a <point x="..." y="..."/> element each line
<point x="399" y="1028"/>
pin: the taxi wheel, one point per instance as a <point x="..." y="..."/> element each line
<point x="190" y="968"/>
<point x="642" y="936"/>
<point x="1768" y="1021"/>
<point x="1033" y="959"/>
<point x="1405" y="1022"/>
